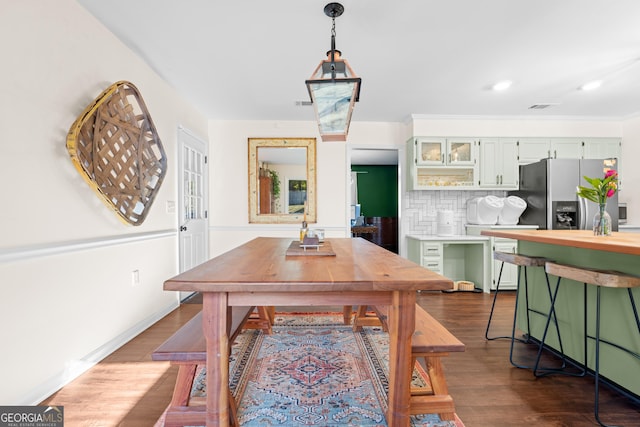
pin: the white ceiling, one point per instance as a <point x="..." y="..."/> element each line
<point x="248" y="59"/>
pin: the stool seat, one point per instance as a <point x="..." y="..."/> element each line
<point x="519" y="259"/>
<point x="606" y="278"/>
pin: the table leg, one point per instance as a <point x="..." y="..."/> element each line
<point x="402" y="324"/>
<point x="214" y="325"/>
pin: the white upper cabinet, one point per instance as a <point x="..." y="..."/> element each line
<point x="430" y="151"/>
<point x="498" y="163"/>
<point x="533" y="149"/>
<point x="566" y="148"/>
<point x="602" y="148"/>
<point x="461" y="151"/>
<point x="444" y="151"/>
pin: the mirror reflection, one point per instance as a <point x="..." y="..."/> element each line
<point x="281" y="180"/>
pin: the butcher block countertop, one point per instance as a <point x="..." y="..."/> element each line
<point x="625" y="243"/>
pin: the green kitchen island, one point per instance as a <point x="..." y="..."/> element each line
<point x="619" y="252"/>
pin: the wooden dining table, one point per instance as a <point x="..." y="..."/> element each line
<point x="347" y="271"/>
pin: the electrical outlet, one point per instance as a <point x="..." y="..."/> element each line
<point x="135" y="278"/>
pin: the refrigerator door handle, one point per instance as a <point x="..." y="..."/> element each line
<point x="582" y="214"/>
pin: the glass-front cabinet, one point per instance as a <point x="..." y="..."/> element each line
<point x="445" y="151"/>
<point x="430" y="151"/>
<point x="441" y="163"/>
<point x="461" y="151"/>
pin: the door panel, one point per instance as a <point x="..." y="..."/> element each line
<point x="193" y="202"/>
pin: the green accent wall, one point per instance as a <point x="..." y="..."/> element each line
<point x="378" y="190"/>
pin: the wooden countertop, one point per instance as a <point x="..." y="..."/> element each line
<point x="625" y="243"/>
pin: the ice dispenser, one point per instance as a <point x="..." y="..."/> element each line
<point x="565" y="215"/>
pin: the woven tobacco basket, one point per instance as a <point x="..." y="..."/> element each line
<point x="115" y="147"/>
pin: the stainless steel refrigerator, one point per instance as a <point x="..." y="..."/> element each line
<point x="549" y="187"/>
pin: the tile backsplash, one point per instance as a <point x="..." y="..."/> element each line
<point x="421" y="207"/>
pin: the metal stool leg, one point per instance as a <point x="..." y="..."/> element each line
<point x="526" y="300"/>
<point x="555" y="321"/>
<point x="493" y="305"/>
<point x="546" y="327"/>
<point x="515" y="315"/>
<point x="596" y="410"/>
<point x="551" y="317"/>
<point x="597" y="370"/>
<point x="539" y="372"/>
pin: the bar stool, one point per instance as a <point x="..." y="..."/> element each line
<point x="522" y="262"/>
<point x="600" y="279"/>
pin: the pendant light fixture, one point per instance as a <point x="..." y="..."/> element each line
<point x="333" y="87"/>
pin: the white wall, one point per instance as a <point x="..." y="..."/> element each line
<point x="66" y="260"/>
<point x="514" y="127"/>
<point x="229" y="177"/>
<point x="631" y="173"/>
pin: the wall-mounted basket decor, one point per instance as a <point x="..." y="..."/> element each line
<point x="115" y="147"/>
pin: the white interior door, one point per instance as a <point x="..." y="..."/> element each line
<point x="193" y="202"/>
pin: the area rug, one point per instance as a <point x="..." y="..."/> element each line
<point x="313" y="371"/>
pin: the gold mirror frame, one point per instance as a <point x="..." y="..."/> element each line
<point x="254" y="176"/>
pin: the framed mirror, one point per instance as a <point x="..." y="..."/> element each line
<point x="282" y="180"/>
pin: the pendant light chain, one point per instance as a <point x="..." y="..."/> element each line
<point x="333" y="47"/>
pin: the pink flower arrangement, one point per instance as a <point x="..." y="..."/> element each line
<point x="602" y="188"/>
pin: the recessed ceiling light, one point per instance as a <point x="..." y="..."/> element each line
<point x="591" y="85"/>
<point x="503" y="85"/>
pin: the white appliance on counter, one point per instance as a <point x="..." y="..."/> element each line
<point x="445" y="223"/>
<point x="484" y="210"/>
<point x="491" y="210"/>
<point x="511" y="211"/>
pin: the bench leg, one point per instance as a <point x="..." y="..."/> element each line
<point x="435" y="400"/>
<point x="179" y="412"/>
<point x="438" y="382"/>
<point x="347" y="311"/>
<point x="265" y="317"/>
<point x="263" y="320"/>
<point x="361" y="319"/>
<point x="184" y="383"/>
<point x="233" y="410"/>
<point x="271" y="312"/>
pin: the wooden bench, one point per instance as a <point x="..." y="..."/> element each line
<point x="431" y="341"/>
<point x="187" y="349"/>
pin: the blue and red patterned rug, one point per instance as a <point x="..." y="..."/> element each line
<point x="313" y="371"/>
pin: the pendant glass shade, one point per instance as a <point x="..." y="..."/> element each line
<point x="334" y="89"/>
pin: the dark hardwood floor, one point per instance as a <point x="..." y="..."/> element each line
<point x="128" y="389"/>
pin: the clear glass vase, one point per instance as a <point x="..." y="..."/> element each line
<point x="602" y="222"/>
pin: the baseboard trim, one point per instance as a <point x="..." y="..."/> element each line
<point x="75" y="368"/>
